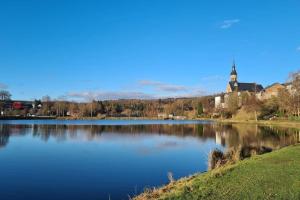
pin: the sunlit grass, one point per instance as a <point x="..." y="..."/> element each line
<point x="274" y="175"/>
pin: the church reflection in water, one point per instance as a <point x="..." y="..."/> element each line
<point x="229" y="136"/>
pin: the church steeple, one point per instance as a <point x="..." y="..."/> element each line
<point x="233" y="74"/>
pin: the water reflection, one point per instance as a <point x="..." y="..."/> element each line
<point x="99" y="161"/>
<point x="234" y="136"/>
<point x="229" y="136"/>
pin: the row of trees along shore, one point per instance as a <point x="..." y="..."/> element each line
<point x="245" y="106"/>
<point x="189" y="107"/>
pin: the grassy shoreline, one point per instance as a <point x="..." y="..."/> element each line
<point x="274" y="175"/>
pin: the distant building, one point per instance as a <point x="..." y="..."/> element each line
<point x="273" y="90"/>
<point x="19" y="105"/>
<point x="170" y="116"/>
<point x="269" y="91"/>
<point x="162" y="115"/>
<point x="252" y="88"/>
<point x="218" y="102"/>
<point x="179" y="117"/>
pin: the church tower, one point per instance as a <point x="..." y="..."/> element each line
<point x="233" y="74"/>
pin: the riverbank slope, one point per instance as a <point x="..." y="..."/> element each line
<point x="274" y="175"/>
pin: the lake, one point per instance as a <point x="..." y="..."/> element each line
<point x="114" y="159"/>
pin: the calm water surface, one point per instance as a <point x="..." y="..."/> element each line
<point x="104" y="159"/>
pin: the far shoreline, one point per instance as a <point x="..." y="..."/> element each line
<point x="283" y="122"/>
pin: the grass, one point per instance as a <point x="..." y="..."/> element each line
<point x="274" y="175"/>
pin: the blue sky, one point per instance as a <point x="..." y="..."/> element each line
<point x="143" y="49"/>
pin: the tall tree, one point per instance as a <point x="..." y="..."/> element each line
<point x="60" y="108"/>
<point x="5" y="95"/>
<point x="46" y="105"/>
<point x="118" y="108"/>
<point x="46" y="98"/>
<point x="73" y="109"/>
<point x="199" y="109"/>
<point x="233" y="103"/>
<point x="2" y="104"/>
<point x="94" y="107"/>
<point x="295" y="80"/>
<point x="285" y="102"/>
<point x="251" y="103"/>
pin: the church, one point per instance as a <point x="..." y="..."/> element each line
<point x="235" y="86"/>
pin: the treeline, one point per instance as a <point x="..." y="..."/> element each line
<point x="187" y="107"/>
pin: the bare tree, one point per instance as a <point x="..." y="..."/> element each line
<point x="46" y="98"/>
<point x="295" y="80"/>
<point x="251" y="103"/>
<point x="46" y="105"/>
<point x="60" y="108"/>
<point x="285" y="101"/>
<point x="233" y="102"/>
<point x="74" y="109"/>
<point x="5" y="95"/>
<point x="2" y="105"/>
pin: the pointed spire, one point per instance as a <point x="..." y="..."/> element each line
<point x="233" y="71"/>
<point x="233" y="64"/>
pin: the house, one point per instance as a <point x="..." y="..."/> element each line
<point x="180" y="117"/>
<point x="269" y="91"/>
<point x="162" y="115"/>
<point x="220" y="101"/>
<point x="273" y="90"/>
<point x="20" y="105"/>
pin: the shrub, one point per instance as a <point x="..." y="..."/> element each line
<point x="216" y="159"/>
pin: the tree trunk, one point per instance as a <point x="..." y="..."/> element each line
<point x="91" y="109"/>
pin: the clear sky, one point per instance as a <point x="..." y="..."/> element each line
<point x="145" y="48"/>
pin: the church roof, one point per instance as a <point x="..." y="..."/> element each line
<point x="233" y="71"/>
<point x="250" y="87"/>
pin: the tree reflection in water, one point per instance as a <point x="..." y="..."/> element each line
<point x="243" y="141"/>
<point x="230" y="136"/>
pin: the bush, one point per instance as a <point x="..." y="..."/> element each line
<point x="216" y="159"/>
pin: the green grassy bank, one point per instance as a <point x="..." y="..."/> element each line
<point x="274" y="175"/>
